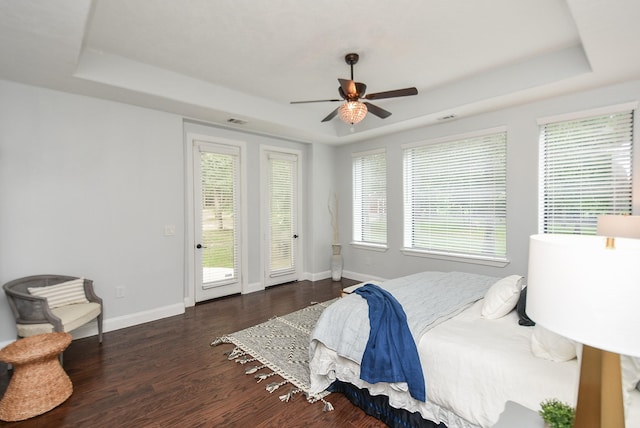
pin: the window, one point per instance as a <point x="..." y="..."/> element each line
<point x="455" y="196"/>
<point x="585" y="171"/>
<point x="370" y="198"/>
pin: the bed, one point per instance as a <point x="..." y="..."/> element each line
<point x="475" y="356"/>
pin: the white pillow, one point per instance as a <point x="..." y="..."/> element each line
<point x="551" y="346"/>
<point x="630" y="376"/>
<point x="502" y="297"/>
<point x="65" y="293"/>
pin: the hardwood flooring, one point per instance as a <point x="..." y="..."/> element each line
<point x="166" y="374"/>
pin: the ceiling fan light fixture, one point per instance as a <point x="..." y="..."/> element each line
<point x="352" y="112"/>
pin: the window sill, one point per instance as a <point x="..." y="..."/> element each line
<point x="370" y="247"/>
<point x="453" y="257"/>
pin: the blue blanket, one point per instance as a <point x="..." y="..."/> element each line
<point x="391" y="354"/>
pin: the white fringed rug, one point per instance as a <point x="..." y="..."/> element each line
<point x="281" y="347"/>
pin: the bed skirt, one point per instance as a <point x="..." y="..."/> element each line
<point x="378" y="407"/>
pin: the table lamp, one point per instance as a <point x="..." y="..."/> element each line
<point x="587" y="288"/>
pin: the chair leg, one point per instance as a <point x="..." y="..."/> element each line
<point x="100" y="327"/>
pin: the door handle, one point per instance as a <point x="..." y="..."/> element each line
<point x="295" y="236"/>
<point x="200" y="246"/>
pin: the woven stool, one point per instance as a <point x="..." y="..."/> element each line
<point x="39" y="383"/>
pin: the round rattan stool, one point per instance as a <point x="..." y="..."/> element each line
<point x="39" y="383"/>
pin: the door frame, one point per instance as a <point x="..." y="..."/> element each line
<point x="264" y="211"/>
<point x="190" y="244"/>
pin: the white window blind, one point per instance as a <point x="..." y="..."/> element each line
<point x="370" y="197"/>
<point x="585" y="171"/>
<point x="283" y="221"/>
<point x="455" y="196"/>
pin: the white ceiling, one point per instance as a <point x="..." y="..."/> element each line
<point x="245" y="59"/>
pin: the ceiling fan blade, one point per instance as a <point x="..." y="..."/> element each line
<point x="380" y="112"/>
<point x="348" y="87"/>
<point x="392" y="94"/>
<point x="313" y="101"/>
<point x="361" y="88"/>
<point x="331" y="115"/>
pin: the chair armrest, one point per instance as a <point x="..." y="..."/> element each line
<point x="90" y="293"/>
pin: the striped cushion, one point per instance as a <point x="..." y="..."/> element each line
<point x="65" y="293"/>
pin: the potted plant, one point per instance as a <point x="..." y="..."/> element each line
<point x="557" y="414"/>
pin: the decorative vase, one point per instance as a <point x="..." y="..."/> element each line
<point x="336" y="263"/>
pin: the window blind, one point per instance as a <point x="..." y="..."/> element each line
<point x="455" y="196"/>
<point x="586" y="170"/>
<point x="283" y="221"/>
<point x="370" y="197"/>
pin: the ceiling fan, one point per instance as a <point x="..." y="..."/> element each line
<point x="353" y="110"/>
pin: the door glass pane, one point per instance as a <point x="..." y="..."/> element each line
<point x="219" y="252"/>
<point x="282" y="213"/>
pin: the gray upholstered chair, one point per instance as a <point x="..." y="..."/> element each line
<point x="53" y="303"/>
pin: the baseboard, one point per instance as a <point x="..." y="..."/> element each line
<point x="189" y="302"/>
<point x="117" y="323"/>
<point x="112" y="324"/>
<point x="345" y="274"/>
<point x="252" y="288"/>
<point x="362" y="277"/>
<point x="318" y="276"/>
<point x="125" y="321"/>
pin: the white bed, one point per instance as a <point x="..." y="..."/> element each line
<point x="472" y="366"/>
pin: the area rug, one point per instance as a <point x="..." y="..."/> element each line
<point x="281" y="347"/>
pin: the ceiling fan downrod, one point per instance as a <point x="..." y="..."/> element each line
<point x="351" y="59"/>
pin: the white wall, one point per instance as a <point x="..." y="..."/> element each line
<point x="322" y="186"/>
<point x="87" y="187"/>
<point x="522" y="183"/>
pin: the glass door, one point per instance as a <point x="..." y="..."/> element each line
<point x="217" y="231"/>
<point x="283" y="235"/>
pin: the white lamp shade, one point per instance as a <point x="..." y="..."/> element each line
<point x="581" y="290"/>
<point x="623" y="226"/>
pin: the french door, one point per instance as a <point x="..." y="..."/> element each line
<point x="217" y="231"/>
<point x="282" y="210"/>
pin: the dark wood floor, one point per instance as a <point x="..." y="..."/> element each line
<point x="166" y="374"/>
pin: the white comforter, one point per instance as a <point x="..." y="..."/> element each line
<point x="472" y="367"/>
<point x="442" y="295"/>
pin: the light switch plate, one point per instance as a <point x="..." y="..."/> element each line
<point x="169" y="230"/>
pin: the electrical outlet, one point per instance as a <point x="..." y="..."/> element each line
<point x="119" y="292"/>
<point x="169" y="230"/>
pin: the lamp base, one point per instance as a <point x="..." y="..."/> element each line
<point x="600" y="402"/>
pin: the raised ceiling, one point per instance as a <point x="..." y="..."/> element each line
<point x="246" y="59"/>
